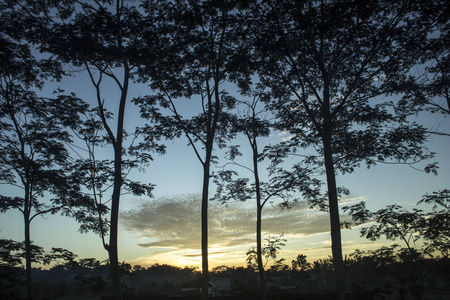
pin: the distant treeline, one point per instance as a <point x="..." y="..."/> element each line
<point x="388" y="271"/>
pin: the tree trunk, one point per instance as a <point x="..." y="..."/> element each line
<point x="259" y="208"/>
<point x="336" y="246"/>
<point x="28" y="254"/>
<point x="113" y="247"/>
<point x="262" y="280"/>
<point x="114" y="226"/>
<point x="204" y="223"/>
<point x="26" y="216"/>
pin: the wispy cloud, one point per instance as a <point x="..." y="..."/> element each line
<point x="349" y="200"/>
<point x="172" y="229"/>
<point x="175" y="222"/>
<point x="285" y="136"/>
<point x="282" y="135"/>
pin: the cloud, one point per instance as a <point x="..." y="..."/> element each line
<point x="285" y="136"/>
<point x="351" y="200"/>
<point x="174" y="222"/>
<point x="170" y="231"/>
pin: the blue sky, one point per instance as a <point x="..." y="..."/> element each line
<point x="166" y="229"/>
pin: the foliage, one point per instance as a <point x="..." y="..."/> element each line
<point x="435" y="228"/>
<point x="12" y="254"/>
<point x="269" y="251"/>
<point x="410" y="226"/>
<point x="300" y="263"/>
<point x="343" y="78"/>
<point x="392" y="269"/>
<point x="33" y="143"/>
<point x="327" y="66"/>
<point x="34" y="132"/>
<point x="106" y="40"/>
<point x="395" y="222"/>
<point x="428" y="88"/>
<point x="202" y="46"/>
<point x="284" y="186"/>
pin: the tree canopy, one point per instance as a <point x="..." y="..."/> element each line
<point x="346" y="80"/>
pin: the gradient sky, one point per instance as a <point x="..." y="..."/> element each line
<point x="166" y="229"/>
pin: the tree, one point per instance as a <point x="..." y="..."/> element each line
<point x="424" y="234"/>
<point x="10" y="253"/>
<point x="435" y="230"/>
<point x="13" y="253"/>
<point x="201" y="52"/>
<point x="35" y="160"/>
<point x="90" y="263"/>
<point x="33" y="138"/>
<point x="282" y="184"/>
<point x="300" y="263"/>
<point x="103" y="38"/>
<point x="270" y="252"/>
<point x="395" y="222"/>
<point x="328" y="64"/>
<point x="10" y="275"/>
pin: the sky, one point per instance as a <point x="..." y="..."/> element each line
<point x="165" y="229"/>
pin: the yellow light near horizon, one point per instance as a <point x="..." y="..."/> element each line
<point x="194" y="261"/>
<point x="218" y="256"/>
<point x="179" y="258"/>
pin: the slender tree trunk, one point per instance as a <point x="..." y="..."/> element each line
<point x="26" y="216"/>
<point x="336" y="246"/>
<point x="211" y="126"/>
<point x="114" y="226"/>
<point x="204" y="223"/>
<point x="113" y="237"/>
<point x="28" y="269"/>
<point x="262" y="279"/>
<point x="259" y="208"/>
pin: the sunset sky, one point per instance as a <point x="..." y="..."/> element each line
<point x="166" y="229"/>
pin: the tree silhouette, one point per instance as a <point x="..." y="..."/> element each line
<point x="110" y="55"/>
<point x="423" y="234"/>
<point x="94" y="174"/>
<point x="13" y="253"/>
<point x="33" y="137"/>
<point x="329" y="64"/>
<point x="201" y="52"/>
<point x="282" y="184"/>
<point x="434" y="230"/>
<point x="269" y="251"/>
<point x="300" y="263"/>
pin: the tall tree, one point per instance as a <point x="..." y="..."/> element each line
<point x="330" y="64"/>
<point x="282" y="185"/>
<point x="33" y="138"/>
<point x="201" y="52"/>
<point x="103" y="38"/>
